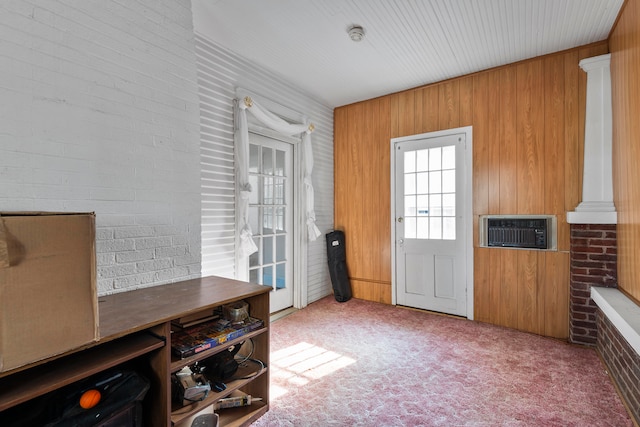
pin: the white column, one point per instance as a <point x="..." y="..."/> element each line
<point x="597" y="181"/>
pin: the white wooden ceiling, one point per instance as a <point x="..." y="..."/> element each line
<point x="407" y="43"/>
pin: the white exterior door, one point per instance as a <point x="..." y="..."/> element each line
<point x="271" y="218"/>
<point x="430" y="225"/>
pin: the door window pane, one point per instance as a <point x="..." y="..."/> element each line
<point x="435" y="182"/>
<point x="409" y="183"/>
<point x="267" y="220"/>
<point x="281" y="254"/>
<point x="278" y="191"/>
<point x="280" y="220"/>
<point x="280" y="163"/>
<point x="423" y="206"/>
<point x="267" y="250"/>
<point x="449" y="181"/>
<point x="267" y="161"/>
<point x="268" y="191"/>
<point x="254" y="158"/>
<point x="435" y="203"/>
<point x="435" y="158"/>
<point x="449" y="205"/>
<point x="422" y="231"/>
<point x="267" y="276"/>
<point x="280" y="276"/>
<point x="422" y="160"/>
<point x="409" y="206"/>
<point x="422" y="183"/>
<point x="449" y="157"/>
<point x="410" y="161"/>
<point x="253" y="276"/>
<point x="430" y="197"/>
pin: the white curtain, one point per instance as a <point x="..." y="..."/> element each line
<point x="247" y="245"/>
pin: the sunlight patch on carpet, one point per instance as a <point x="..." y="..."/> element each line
<point x="275" y="391"/>
<point x="301" y="363"/>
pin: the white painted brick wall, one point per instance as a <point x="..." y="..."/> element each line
<point x="99" y="113"/>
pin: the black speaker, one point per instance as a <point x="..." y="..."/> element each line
<point x="223" y="365"/>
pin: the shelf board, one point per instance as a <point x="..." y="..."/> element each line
<point x="177" y="364"/>
<point x="127" y="312"/>
<point x="42" y="379"/>
<point x="180" y="413"/>
<point x="236" y="417"/>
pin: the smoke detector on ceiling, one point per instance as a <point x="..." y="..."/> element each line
<point x="356" y="33"/>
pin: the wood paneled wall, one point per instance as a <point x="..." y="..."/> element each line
<point x="528" y="126"/>
<point x="362" y="195"/>
<point x="624" y="44"/>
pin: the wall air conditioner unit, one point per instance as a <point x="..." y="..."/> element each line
<point x="518" y="231"/>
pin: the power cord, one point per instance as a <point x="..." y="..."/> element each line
<point x="260" y="363"/>
<point x="248" y="358"/>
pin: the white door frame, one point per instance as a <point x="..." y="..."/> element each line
<point x="300" y="244"/>
<point x="468" y="209"/>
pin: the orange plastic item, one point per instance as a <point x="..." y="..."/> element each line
<point x="89" y="399"/>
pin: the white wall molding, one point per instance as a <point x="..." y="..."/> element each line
<point x="597" y="205"/>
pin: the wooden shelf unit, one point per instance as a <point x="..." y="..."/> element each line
<point x="135" y="327"/>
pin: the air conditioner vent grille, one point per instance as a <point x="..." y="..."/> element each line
<point x="518" y="232"/>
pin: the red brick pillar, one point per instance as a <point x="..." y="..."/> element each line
<point x="593" y="263"/>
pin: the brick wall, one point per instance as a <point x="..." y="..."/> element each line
<point x="593" y="263"/>
<point x="623" y="363"/>
<point x="99" y="113"/>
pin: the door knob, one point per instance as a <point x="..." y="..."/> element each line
<point x="400" y="219"/>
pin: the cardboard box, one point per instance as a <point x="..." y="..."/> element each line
<point x="48" y="301"/>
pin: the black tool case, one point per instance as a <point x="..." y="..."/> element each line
<point x="337" y="258"/>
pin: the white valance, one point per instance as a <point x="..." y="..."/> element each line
<point x="247" y="245"/>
